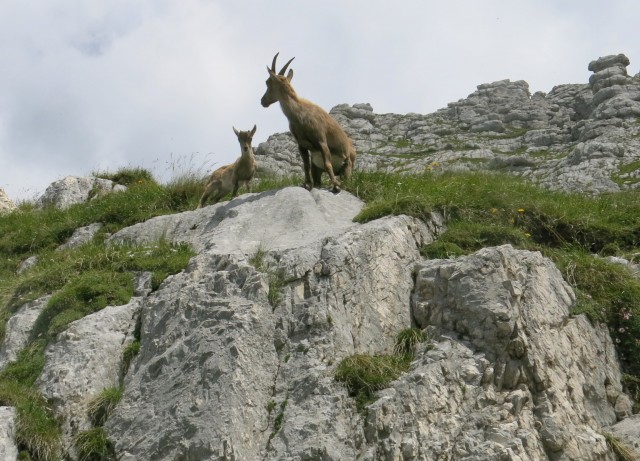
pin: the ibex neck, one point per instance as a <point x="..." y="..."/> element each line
<point x="290" y="103"/>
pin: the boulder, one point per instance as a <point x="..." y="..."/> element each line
<point x="73" y="189"/>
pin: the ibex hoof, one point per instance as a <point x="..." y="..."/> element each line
<point x="307" y="186"/>
<point x="336" y="189"/>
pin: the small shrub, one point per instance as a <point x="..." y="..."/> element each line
<point x="94" y="445"/>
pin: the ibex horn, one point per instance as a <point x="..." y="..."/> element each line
<point x="273" y="64"/>
<point x="284" y="69"/>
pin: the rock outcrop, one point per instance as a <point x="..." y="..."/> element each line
<point x="6" y="204"/>
<point x="8" y="447"/>
<point x="74" y="189"/>
<point x="507" y="374"/>
<point x="238" y="352"/>
<point x="578" y="137"/>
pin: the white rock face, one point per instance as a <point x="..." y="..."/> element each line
<point x="8" y="448"/>
<point x="287" y="218"/>
<point x="214" y="349"/>
<point x="512" y="376"/>
<point x="19" y="328"/>
<point x="84" y="360"/>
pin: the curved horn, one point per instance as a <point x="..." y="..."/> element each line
<point x="284" y="69"/>
<point x="273" y="63"/>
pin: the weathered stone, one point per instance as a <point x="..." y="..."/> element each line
<point x="8" y="447"/>
<point x="73" y="189"/>
<point x="628" y="432"/>
<point x="19" y="328"/>
<point x="85" y="359"/>
<point x="213" y="348"/>
<point x="6" y="204"/>
<point x="81" y="236"/>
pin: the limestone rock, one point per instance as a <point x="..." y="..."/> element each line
<point x="85" y="359"/>
<point x="6" y="204"/>
<point x="8" y="448"/>
<point x="81" y="236"/>
<point x="215" y="349"/>
<point x="296" y="218"/>
<point x="19" y="328"/>
<point x="628" y="432"/>
<point x="73" y="189"/>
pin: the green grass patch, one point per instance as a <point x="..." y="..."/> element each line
<point x="130" y="352"/>
<point x="37" y="430"/>
<point x="363" y="375"/>
<point x="94" y="445"/>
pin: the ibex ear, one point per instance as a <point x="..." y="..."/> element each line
<point x="253" y="131"/>
<point x="270" y="71"/>
<point x="235" y="131"/>
<point x="290" y="74"/>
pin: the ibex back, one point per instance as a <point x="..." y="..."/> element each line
<point x="322" y="143"/>
<point x="229" y="178"/>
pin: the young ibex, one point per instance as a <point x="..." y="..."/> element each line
<point x="323" y="144"/>
<point x="229" y="178"/>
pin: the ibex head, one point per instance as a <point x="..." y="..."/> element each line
<point x="245" y="138"/>
<point x="276" y="83"/>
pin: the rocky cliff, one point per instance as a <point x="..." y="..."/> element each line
<point x="238" y="352"/>
<point x="578" y="137"/>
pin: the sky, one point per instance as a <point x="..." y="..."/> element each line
<point x="92" y="86"/>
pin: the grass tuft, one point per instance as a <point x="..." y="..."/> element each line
<point x="365" y="374"/>
<point x="103" y="405"/>
<point x="94" y="445"/>
<point x="622" y="451"/>
<point x="407" y="340"/>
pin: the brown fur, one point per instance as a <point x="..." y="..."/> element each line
<point x="322" y="143"/>
<point x="229" y="178"/>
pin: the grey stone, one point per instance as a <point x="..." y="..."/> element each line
<point x="73" y="189"/>
<point x="19" y="328"/>
<point x="81" y="236"/>
<point x="628" y="432"/>
<point x="85" y="359"/>
<point x="6" y="204"/>
<point x="8" y="447"/>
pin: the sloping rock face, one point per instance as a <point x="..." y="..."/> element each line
<point x="215" y="349"/>
<point x="511" y="375"/>
<point x="578" y="137"/>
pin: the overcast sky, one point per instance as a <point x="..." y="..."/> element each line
<point x="96" y="85"/>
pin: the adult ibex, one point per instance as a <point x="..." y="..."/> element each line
<point x="229" y="178"/>
<point x="323" y="144"/>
